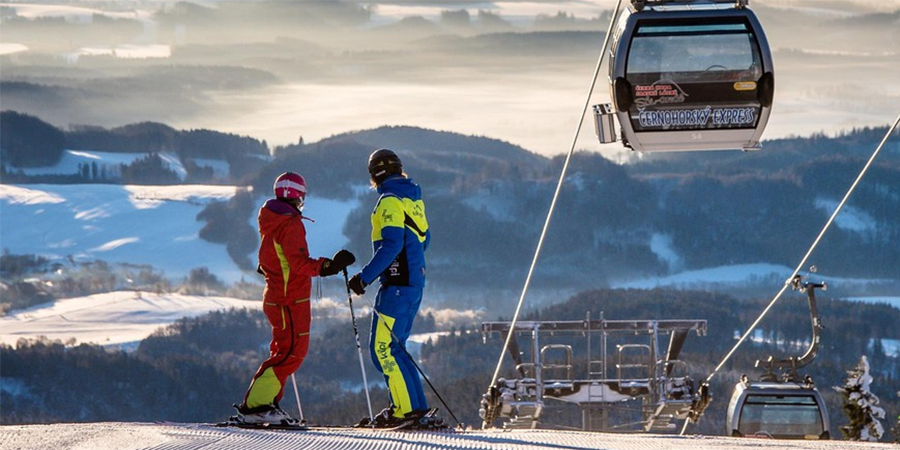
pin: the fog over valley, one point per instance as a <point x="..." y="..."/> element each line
<point x="515" y="71"/>
<point x="140" y="138"/>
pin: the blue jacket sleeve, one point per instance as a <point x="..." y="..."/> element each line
<point x="391" y="246"/>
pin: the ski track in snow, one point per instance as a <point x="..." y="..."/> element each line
<point x="176" y="436"/>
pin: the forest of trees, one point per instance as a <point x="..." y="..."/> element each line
<point x="226" y="223"/>
<point x="193" y="369"/>
<point x="28" y="141"/>
<point x="487" y="199"/>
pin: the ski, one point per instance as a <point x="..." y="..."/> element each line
<point x="262" y="426"/>
<point x="428" y="422"/>
<point x="403" y="425"/>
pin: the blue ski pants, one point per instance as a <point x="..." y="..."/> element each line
<point x="397" y="307"/>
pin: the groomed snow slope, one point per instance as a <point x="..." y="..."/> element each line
<point x="174" y="436"/>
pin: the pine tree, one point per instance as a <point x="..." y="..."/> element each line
<point x="896" y="429"/>
<point x="861" y="405"/>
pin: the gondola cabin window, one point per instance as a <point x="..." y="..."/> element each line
<point x="781" y="416"/>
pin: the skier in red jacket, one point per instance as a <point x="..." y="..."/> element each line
<point x="285" y="262"/>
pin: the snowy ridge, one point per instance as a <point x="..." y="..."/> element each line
<point x="119" y="319"/>
<point x="154" y="225"/>
<point x="175" y="436"/>
<point x="691" y="279"/>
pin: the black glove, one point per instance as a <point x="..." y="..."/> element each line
<point x="356" y="285"/>
<point x="337" y="263"/>
<point x="342" y="259"/>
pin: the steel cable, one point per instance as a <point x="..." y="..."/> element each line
<point x="803" y="261"/>
<point x="559" y="184"/>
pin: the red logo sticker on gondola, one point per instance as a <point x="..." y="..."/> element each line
<point x="660" y="92"/>
<point x="744" y="85"/>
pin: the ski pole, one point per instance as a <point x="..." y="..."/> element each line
<point x="362" y="367"/>
<point x="411" y="359"/>
<point x="297" y="396"/>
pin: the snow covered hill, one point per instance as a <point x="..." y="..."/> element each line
<point x="117" y="319"/>
<point x="153" y="225"/>
<point x="122" y="319"/>
<point x="73" y="162"/>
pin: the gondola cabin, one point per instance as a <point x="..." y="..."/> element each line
<point x="690" y="75"/>
<point x="779" y="410"/>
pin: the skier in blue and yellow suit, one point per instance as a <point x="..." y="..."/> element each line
<point x="400" y="237"/>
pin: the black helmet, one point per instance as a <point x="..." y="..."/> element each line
<point x="384" y="163"/>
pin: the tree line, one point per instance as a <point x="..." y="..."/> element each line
<point x="189" y="372"/>
<point x="487" y="200"/>
<point x="29" y="142"/>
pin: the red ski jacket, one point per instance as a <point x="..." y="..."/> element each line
<point x="284" y="255"/>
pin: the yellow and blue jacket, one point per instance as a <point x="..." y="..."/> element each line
<point x="400" y="235"/>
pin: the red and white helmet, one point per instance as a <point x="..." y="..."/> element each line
<point x="290" y="185"/>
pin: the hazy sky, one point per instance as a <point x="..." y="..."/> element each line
<point x="539" y="108"/>
<point x="385" y="73"/>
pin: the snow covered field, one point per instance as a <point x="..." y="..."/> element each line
<point x="72" y="161"/>
<point x="119" y="319"/>
<point x="153" y="225"/>
<point x="122" y="319"/>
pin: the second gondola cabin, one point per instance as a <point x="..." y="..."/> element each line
<point x="777" y="410"/>
<point x="690" y="75"/>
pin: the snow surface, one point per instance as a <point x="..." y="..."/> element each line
<point x="761" y="336"/>
<point x="703" y="278"/>
<point x="153" y="225"/>
<point x="887" y="300"/>
<point x="220" y="168"/>
<point x="120" y="319"/>
<point x="850" y="218"/>
<point x="748" y="275"/>
<point x="178" y="436"/>
<point x="8" y="48"/>
<point x="891" y="346"/>
<point x="71" y="159"/>
<point x="661" y="245"/>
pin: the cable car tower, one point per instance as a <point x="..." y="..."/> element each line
<point x="688" y="75"/>
<point x="782" y="405"/>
